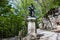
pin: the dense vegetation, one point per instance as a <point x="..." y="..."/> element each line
<point x="13" y="19"/>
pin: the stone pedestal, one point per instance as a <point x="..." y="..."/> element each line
<point x="31" y="27"/>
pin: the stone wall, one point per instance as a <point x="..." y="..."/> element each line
<point x="51" y="20"/>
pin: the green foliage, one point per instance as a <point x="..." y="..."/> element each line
<point x="12" y="20"/>
<point x="10" y="23"/>
<point x="45" y="6"/>
<point x="4" y="7"/>
<point x="10" y="26"/>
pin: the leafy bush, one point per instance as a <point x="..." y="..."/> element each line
<point x="10" y="26"/>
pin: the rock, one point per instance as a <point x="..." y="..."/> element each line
<point x="48" y="35"/>
<point x="40" y="25"/>
<point x="25" y="38"/>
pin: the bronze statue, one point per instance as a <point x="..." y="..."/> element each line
<point x="31" y="10"/>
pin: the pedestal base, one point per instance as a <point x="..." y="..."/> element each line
<point x="31" y="28"/>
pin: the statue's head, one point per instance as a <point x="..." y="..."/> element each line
<point x="31" y="5"/>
